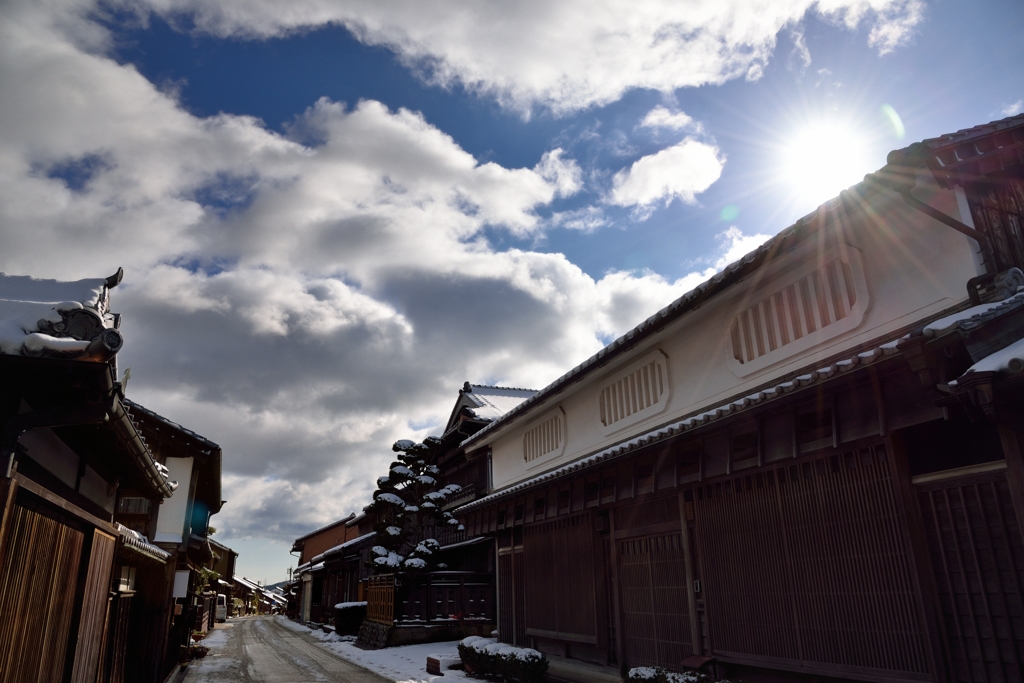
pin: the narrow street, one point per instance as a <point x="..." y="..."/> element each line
<point x="260" y="650"/>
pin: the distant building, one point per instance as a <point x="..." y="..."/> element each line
<point x="340" y="573"/>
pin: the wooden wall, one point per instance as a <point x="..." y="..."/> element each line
<point x="978" y="559"/>
<point x="808" y="562"/>
<point x="93" y="619"/>
<point x="37" y="591"/>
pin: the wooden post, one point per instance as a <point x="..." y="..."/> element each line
<point x="1013" y="451"/>
<point x="920" y="561"/>
<point x="8" y="491"/>
<point x="691" y="602"/>
<point x="620" y="651"/>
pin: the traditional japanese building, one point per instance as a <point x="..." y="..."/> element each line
<point x="86" y="486"/>
<point x="810" y="464"/>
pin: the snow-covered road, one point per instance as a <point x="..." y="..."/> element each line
<point x="261" y="650"/>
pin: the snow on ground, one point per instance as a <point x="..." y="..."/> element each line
<point x="405" y="664"/>
<point x="205" y="670"/>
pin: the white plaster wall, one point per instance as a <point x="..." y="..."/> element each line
<point x="914" y="268"/>
<point x="170" y="521"/>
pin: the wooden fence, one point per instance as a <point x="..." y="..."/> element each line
<point x="430" y="597"/>
<point x="380" y="599"/>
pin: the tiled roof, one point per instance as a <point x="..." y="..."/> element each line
<point x="974" y="132"/>
<point x="326" y="527"/>
<point x="687" y="302"/>
<point x="493" y="402"/>
<point x="137" y="542"/>
<point x="342" y="547"/>
<point x="135" y="407"/>
<point x="696" y="420"/>
<point x="966" y="155"/>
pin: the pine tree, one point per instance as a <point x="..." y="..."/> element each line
<point x="407" y="504"/>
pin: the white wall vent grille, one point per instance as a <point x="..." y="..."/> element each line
<point x="547" y="436"/>
<point x="637" y="391"/>
<point x="807" y="309"/>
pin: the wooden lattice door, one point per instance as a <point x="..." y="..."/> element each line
<point x="978" y="559"/>
<point x="655" y="611"/>
<point x="806" y="567"/>
<point x="511" y="598"/>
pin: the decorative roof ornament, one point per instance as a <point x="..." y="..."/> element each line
<point x="50" y="318"/>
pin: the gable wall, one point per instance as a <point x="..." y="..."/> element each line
<point x="913" y="268"/>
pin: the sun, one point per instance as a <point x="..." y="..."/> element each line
<point x="822" y="158"/>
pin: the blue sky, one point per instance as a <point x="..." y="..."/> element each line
<point x="931" y="81"/>
<point x="332" y="214"/>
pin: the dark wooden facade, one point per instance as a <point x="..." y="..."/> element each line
<point x="822" y="554"/>
<point x="83" y="599"/>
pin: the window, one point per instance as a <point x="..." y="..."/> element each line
<point x="545" y="437"/>
<point x="814" y="428"/>
<point x="637" y="391"/>
<point x="743" y="447"/>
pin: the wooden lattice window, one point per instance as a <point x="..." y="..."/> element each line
<point x="998" y="210"/>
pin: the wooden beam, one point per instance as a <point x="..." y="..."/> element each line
<point x="620" y="650"/>
<point x="8" y="491"/>
<point x="1013" y="451"/>
<point x="66" y="505"/>
<point x="691" y="603"/>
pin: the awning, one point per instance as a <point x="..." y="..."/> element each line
<point x="136" y="544"/>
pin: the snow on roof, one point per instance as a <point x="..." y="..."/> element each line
<point x="91" y="293"/>
<point x="493" y="402"/>
<point x="54" y="318"/>
<point x="133" y="539"/>
<point x="343" y="546"/>
<point x="1009" y="359"/>
<point x="974" y="315"/>
<point x="696" y="420"/>
<point x="247" y="583"/>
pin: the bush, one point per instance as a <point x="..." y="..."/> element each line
<point x="656" y="674"/>
<point x="348" y="616"/>
<point x="484" y="656"/>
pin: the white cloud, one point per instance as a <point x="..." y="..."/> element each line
<point x="678" y="172"/>
<point x="564" y="55"/>
<point x="301" y="299"/>
<point x="660" y="117"/>
<point x="587" y="219"/>
<point x="565" y="174"/>
<point x="301" y="304"/>
<point x="737" y="245"/>
<point x="1013" y="109"/>
<point x="800" y="56"/>
<point x="623" y="293"/>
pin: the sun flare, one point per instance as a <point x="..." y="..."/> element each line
<point x="824" y="158"/>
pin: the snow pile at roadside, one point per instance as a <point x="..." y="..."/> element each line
<point x="215" y="639"/>
<point x="317" y="633"/>
<point x="406" y="664"/>
<point x="210" y="668"/>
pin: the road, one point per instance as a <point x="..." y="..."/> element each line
<point x="260" y="650"/>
